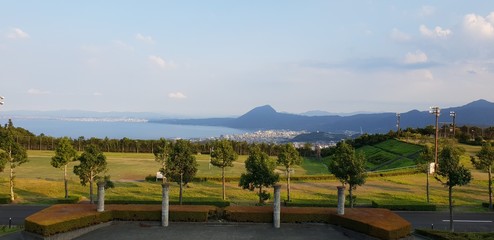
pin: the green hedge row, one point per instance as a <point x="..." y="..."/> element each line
<point x="367" y="221"/>
<point x="5" y="200"/>
<point x="485" y="204"/>
<point x="405" y="206"/>
<point x="157" y="202"/>
<point x="86" y="219"/>
<point x="447" y="235"/>
<point x="68" y="225"/>
<point x="71" y="199"/>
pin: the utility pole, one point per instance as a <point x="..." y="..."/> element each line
<point x="453" y="114"/>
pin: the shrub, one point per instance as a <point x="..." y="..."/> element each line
<point x="70" y="199"/>
<point x="5" y="200"/>
<point x="405" y="206"/>
<point x="150" y="178"/>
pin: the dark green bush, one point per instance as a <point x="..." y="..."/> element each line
<point x="5" y="200"/>
<point x="71" y="199"/>
<point x="405" y="206"/>
<point x="150" y="178"/>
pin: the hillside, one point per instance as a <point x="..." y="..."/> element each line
<point x="390" y="154"/>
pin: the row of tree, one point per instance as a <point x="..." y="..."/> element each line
<point x="13" y="154"/>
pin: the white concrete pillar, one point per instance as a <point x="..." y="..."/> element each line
<point x="277" y="206"/>
<point x="165" y="205"/>
<point x="101" y="196"/>
<point x="341" y="200"/>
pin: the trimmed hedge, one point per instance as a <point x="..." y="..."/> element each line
<point x="5" y="200"/>
<point x="485" y="204"/>
<point x="157" y="202"/>
<point x="71" y="199"/>
<point x="380" y="223"/>
<point x="405" y="206"/>
<point x="68" y="217"/>
<point x="446" y="235"/>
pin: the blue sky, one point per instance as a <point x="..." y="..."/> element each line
<point x="221" y="58"/>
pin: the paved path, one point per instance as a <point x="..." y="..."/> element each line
<point x="233" y="231"/>
<point x="18" y="212"/>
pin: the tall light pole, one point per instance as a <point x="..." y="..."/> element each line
<point x="453" y="114"/>
<point x="436" y="111"/>
<point x="1" y="98"/>
<point x="398" y="116"/>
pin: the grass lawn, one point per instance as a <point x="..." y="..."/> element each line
<point x="38" y="182"/>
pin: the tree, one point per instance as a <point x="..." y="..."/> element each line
<point x="181" y="165"/>
<point x="161" y="153"/>
<point x="13" y="154"/>
<point x="64" y="153"/>
<point x="454" y="173"/>
<point x="223" y="156"/>
<point x="485" y="162"/>
<point x="92" y="163"/>
<point x="424" y="162"/>
<point x="288" y="157"/>
<point x="260" y="173"/>
<point x="348" y="167"/>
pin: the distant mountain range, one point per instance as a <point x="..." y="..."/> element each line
<point x="478" y="113"/>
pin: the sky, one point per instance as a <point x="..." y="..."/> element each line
<point x="223" y="58"/>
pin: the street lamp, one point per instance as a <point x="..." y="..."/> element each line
<point x="453" y="114"/>
<point x="436" y="111"/>
<point x="1" y="98"/>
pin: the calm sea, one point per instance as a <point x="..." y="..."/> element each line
<point x="118" y="130"/>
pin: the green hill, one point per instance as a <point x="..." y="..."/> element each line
<point x="390" y="154"/>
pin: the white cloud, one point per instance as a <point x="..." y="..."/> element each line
<point x="97" y="94"/>
<point x="415" y="57"/>
<point x="34" y="91"/>
<point x="123" y="45"/>
<point x="437" y="32"/>
<point x="397" y="35"/>
<point x="177" y="95"/>
<point x="426" y="11"/>
<point x="479" y="27"/>
<point x="161" y="62"/>
<point x="17" y="33"/>
<point x="145" y="39"/>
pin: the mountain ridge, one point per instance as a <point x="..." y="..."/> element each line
<point x="478" y="113"/>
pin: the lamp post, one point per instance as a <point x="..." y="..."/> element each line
<point x="453" y="115"/>
<point x="1" y="98"/>
<point x="436" y="111"/>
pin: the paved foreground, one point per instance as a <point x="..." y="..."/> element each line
<point x="234" y="231"/>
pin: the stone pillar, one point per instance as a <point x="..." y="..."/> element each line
<point x="276" y="206"/>
<point x="341" y="200"/>
<point x="101" y="196"/>
<point x="165" y="205"/>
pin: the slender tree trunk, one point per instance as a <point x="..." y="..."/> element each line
<point x="164" y="177"/>
<point x="260" y="191"/>
<point x="490" y="187"/>
<point x="223" y="180"/>
<point x="65" y="181"/>
<point x="11" y="181"/>
<point x="181" y="185"/>
<point x="91" y="187"/>
<point x="451" y="226"/>
<point x="427" y="186"/>
<point x="288" y="184"/>
<point x="351" y="195"/>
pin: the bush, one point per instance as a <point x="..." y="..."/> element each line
<point x="446" y="235"/>
<point x="70" y="199"/>
<point x="405" y="206"/>
<point x="5" y="200"/>
<point x="158" y="202"/>
<point x="63" y="218"/>
<point x="150" y="178"/>
<point x="485" y="204"/>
